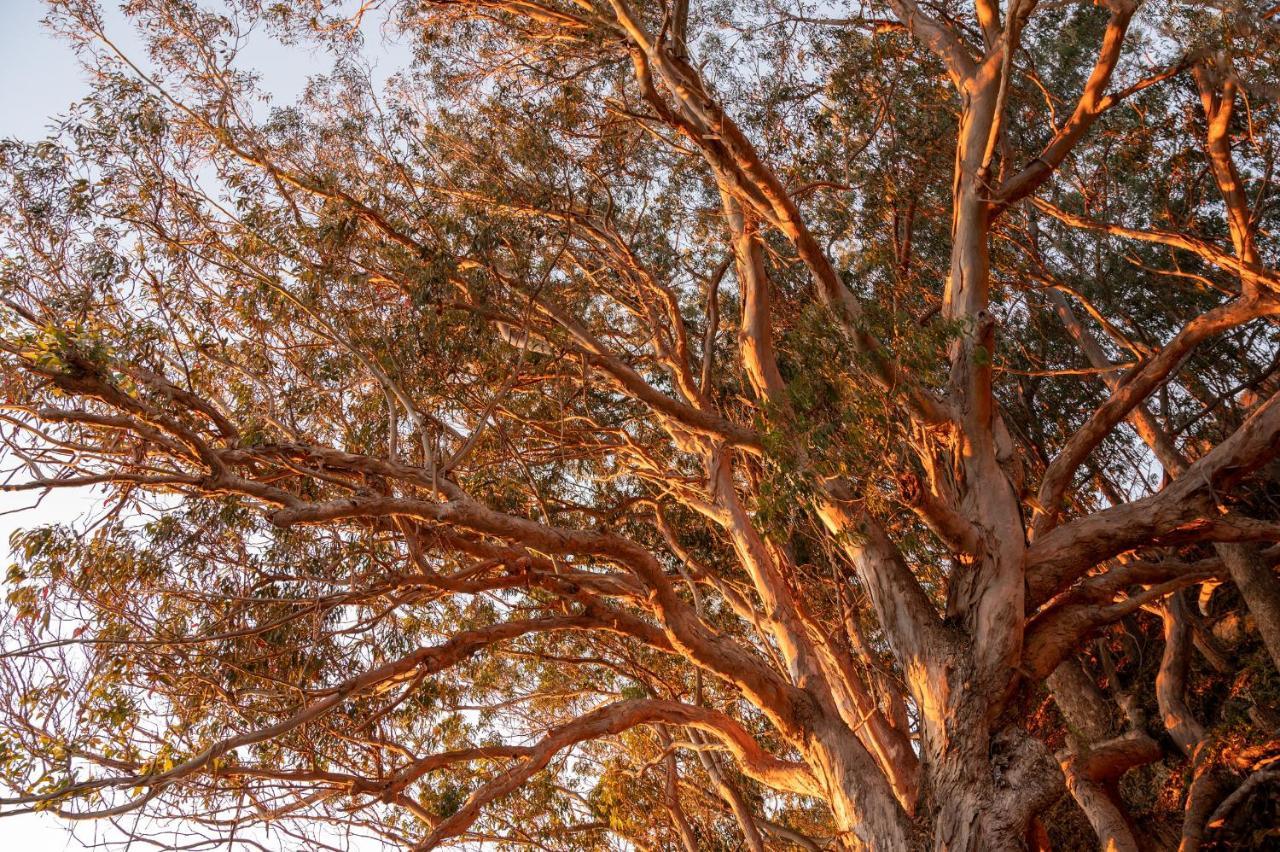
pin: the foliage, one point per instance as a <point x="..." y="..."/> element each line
<point x="658" y="426"/>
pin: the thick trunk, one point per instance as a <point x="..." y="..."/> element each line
<point x="1260" y="589"/>
<point x="984" y="785"/>
<point x="961" y="823"/>
<point x="988" y="789"/>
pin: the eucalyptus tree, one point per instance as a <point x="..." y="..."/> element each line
<point x="645" y="425"/>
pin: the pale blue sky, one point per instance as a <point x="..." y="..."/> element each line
<point x="39" y="78"/>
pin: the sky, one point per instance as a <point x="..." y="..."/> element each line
<point x="39" y="78"/>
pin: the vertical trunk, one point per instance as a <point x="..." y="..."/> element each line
<point x="986" y="787"/>
<point x="1260" y="589"/>
<point x="984" y="783"/>
<point x="963" y="795"/>
<point x="989" y="595"/>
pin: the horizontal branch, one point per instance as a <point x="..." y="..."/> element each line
<point x="1248" y="272"/>
<point x="613" y="719"/>
<point x="1182" y="509"/>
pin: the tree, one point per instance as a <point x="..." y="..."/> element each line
<point x="654" y="426"/>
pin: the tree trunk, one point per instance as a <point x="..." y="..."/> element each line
<point x="1260" y="589"/>
<point x="984" y="785"/>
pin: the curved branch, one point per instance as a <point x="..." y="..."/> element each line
<point x="616" y="718"/>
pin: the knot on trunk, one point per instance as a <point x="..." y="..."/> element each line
<point x="1026" y="779"/>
